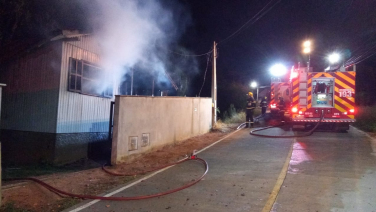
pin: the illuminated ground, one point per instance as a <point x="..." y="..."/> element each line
<point x="327" y="172"/>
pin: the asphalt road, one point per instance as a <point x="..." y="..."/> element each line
<point x="330" y="172"/>
<point x="326" y="172"/>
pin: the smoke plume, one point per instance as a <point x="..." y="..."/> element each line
<point x="138" y="35"/>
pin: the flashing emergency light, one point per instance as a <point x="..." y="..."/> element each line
<point x="334" y="58"/>
<point x="294" y="110"/>
<point x="278" y="70"/>
<point x="300" y="112"/>
<point x="352" y="110"/>
<point x="294" y="75"/>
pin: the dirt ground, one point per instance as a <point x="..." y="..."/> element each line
<point x="29" y="196"/>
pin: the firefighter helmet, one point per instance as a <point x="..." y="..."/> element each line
<point x="250" y="93"/>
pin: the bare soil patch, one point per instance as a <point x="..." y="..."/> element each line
<point x="30" y="196"/>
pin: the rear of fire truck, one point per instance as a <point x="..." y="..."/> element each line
<point x="330" y="94"/>
<point x="279" y="90"/>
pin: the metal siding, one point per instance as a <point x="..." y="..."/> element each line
<point x="30" y="99"/>
<point x="77" y="112"/>
<point x="87" y="43"/>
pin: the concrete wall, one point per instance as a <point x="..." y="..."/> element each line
<point x="164" y="119"/>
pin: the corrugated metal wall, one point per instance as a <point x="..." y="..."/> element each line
<point x="77" y="112"/>
<point x="30" y="98"/>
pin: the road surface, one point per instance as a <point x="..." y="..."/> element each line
<point x="323" y="172"/>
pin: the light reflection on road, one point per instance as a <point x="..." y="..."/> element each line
<point x="298" y="156"/>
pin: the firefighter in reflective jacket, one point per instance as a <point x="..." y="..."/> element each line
<point x="264" y="104"/>
<point x="251" y="105"/>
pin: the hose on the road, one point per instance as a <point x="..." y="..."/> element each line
<point x="287" y="136"/>
<point x="243" y="124"/>
<point x="82" y="196"/>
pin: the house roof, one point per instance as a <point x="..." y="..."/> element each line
<point x="21" y="47"/>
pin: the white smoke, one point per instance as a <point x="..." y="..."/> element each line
<point x="134" y="33"/>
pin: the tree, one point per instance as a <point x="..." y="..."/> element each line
<point x="232" y="93"/>
<point x="38" y="19"/>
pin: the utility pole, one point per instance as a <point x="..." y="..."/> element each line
<point x="152" y="89"/>
<point x="214" y="86"/>
<point x="126" y="88"/>
<point x="309" y="61"/>
<point x="132" y="82"/>
<point x="257" y="97"/>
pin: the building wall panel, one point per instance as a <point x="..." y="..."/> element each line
<point x="77" y="112"/>
<point x="31" y="96"/>
<point x="87" y="43"/>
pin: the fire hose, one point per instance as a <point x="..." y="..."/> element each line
<point x="287" y="136"/>
<point x="82" y="196"/>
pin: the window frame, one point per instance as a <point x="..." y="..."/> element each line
<point x="77" y="71"/>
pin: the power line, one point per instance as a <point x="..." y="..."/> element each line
<point x="364" y="53"/>
<point x="190" y="55"/>
<point x="365" y="58"/>
<point x="207" y="65"/>
<point x="186" y="55"/>
<point x="252" y="20"/>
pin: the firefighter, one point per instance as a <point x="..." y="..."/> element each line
<point x="251" y="105"/>
<point x="281" y="106"/>
<point x="264" y="105"/>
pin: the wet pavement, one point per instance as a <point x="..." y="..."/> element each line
<point x="330" y="172"/>
<point x="327" y="172"/>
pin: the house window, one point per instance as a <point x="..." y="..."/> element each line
<point x="87" y="78"/>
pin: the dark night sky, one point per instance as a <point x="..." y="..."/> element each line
<point x="277" y="36"/>
<point x="347" y="26"/>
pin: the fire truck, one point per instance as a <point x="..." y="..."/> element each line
<point x="279" y="90"/>
<point x="330" y="94"/>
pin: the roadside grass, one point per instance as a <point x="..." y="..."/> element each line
<point x="366" y="118"/>
<point x="239" y="117"/>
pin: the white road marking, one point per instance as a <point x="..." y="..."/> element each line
<point x="119" y="190"/>
<point x="147" y="177"/>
